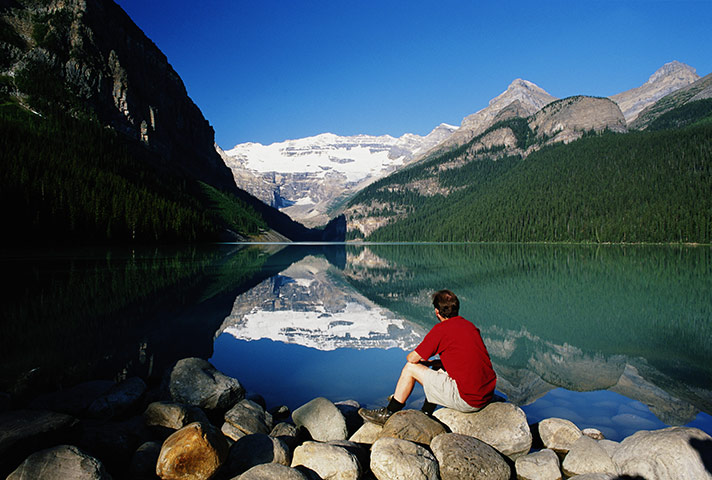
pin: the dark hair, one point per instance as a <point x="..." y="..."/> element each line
<point x="447" y="303"/>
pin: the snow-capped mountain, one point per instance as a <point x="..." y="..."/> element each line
<point x="310" y="304"/>
<point x="307" y="176"/>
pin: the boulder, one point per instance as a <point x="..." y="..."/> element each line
<point x="23" y="432"/>
<point x="256" y="449"/>
<point x="272" y="471"/>
<point x="368" y="433"/>
<point x="362" y="454"/>
<point x="412" y="425"/>
<point x="74" y="400"/>
<point x="501" y="425"/>
<point x="143" y="462"/>
<point x="541" y="465"/>
<point x="245" y="418"/>
<point x="289" y="434"/>
<point x="396" y="459"/>
<point x="596" y="476"/>
<point x="195" y="381"/>
<point x="462" y="456"/>
<point x="330" y="462"/>
<point x="587" y="456"/>
<point x="594" y="433"/>
<point x="558" y="434"/>
<point x="196" y="451"/>
<point x="59" y="463"/>
<point x="172" y="415"/>
<point x="609" y="446"/>
<point x="119" y="399"/>
<point x="681" y="453"/>
<point x="322" y="419"/>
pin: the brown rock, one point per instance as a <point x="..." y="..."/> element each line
<point x="412" y="425"/>
<point x="194" y="452"/>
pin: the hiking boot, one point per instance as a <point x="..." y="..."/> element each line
<point x="376" y="415"/>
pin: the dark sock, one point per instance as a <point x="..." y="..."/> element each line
<point x="428" y="408"/>
<point x="395" y="406"/>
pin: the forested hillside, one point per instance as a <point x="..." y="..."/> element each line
<point x="69" y="180"/>
<point x="102" y="144"/>
<point x="637" y="187"/>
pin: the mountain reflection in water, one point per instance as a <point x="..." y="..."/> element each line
<point x="621" y="327"/>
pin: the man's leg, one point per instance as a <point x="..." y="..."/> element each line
<point x="411" y="373"/>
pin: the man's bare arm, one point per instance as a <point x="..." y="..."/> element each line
<point x="413" y="357"/>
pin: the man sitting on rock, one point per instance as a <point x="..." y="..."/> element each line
<point x="467" y="381"/>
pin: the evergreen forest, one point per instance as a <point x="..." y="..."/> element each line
<point x="70" y="180"/>
<point x="652" y="186"/>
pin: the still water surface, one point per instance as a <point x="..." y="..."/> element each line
<point x="617" y="338"/>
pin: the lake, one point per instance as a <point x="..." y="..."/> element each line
<point x="613" y="337"/>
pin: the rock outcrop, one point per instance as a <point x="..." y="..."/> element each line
<point x="568" y="119"/>
<point x="667" y="79"/>
<point x="699" y="90"/>
<point x="410" y="445"/>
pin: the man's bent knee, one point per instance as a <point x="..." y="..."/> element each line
<point x="415" y="370"/>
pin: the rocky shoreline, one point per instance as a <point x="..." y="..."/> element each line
<point x="201" y="424"/>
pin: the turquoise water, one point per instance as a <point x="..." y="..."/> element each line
<point x="612" y="337"/>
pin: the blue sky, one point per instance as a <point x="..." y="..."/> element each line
<point x="267" y="71"/>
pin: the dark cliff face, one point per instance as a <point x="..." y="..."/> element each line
<point x="87" y="58"/>
<point x="100" y="62"/>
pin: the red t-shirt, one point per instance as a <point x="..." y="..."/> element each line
<point x="464" y="357"/>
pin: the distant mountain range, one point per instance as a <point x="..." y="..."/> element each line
<point x="307" y="177"/>
<point x="574" y="171"/>
<point x="311" y="178"/>
<point x="107" y="147"/>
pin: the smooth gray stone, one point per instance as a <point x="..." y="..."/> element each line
<point x="462" y="456"/>
<point x="272" y="471"/>
<point x="393" y="458"/>
<point x="194" y="381"/>
<point x="674" y="453"/>
<point x="322" y="419"/>
<point x="60" y="463"/>
<point x="328" y="461"/>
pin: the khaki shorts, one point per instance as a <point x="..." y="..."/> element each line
<point x="442" y="390"/>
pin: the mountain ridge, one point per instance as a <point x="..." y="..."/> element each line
<point x="670" y="77"/>
<point x="276" y="184"/>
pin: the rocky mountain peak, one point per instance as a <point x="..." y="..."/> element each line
<point x="528" y="93"/>
<point x="670" y="77"/>
<point x="527" y="97"/>
<point x="674" y="69"/>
